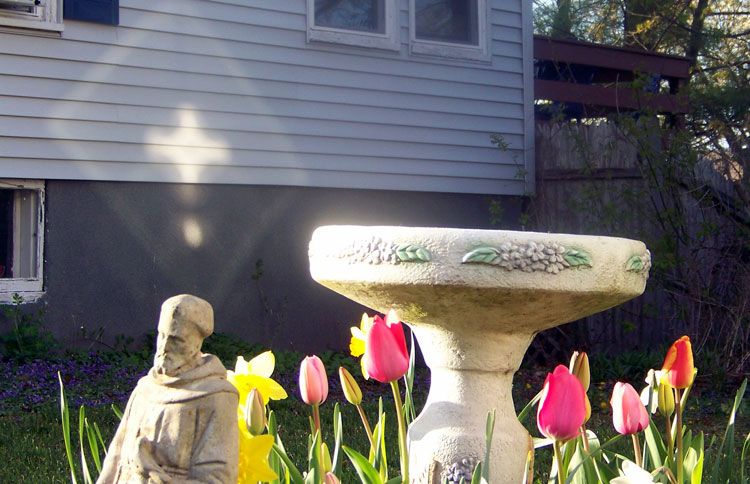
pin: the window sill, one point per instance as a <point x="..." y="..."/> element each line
<point x="445" y="50"/>
<point x="8" y="21"/>
<point x="357" y="39"/>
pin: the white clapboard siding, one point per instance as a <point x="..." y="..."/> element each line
<point x="230" y="91"/>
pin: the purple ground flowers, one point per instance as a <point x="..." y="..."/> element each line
<point x="89" y="379"/>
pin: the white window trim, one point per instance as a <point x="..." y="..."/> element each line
<point x="480" y="53"/>
<point x="389" y="40"/>
<point x="50" y="18"/>
<point x="31" y="288"/>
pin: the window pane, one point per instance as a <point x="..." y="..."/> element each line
<point x="19" y="210"/>
<point x="455" y="21"/>
<point x="360" y="15"/>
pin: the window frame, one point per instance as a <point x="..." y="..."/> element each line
<point x="388" y="40"/>
<point x="30" y="288"/>
<point x="453" y="50"/>
<point x="51" y="18"/>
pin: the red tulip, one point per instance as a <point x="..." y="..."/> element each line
<point x="628" y="413"/>
<point x="385" y="358"/>
<point x="313" y="381"/>
<point x="678" y="366"/>
<point x="562" y="408"/>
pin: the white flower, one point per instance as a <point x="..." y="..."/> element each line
<point x="652" y="378"/>
<point x="632" y="474"/>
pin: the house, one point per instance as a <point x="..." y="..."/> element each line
<point x="155" y="148"/>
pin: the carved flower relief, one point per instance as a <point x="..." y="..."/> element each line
<point x="375" y="251"/>
<point x="529" y="257"/>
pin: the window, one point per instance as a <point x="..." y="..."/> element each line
<point x="449" y="28"/>
<point x="363" y="23"/>
<point x="21" y="238"/>
<point x="32" y="14"/>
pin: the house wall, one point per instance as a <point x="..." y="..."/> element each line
<point x="115" y="250"/>
<point x="230" y="92"/>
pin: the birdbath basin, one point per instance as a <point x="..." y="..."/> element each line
<point x="475" y="299"/>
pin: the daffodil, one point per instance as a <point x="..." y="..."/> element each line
<point x="256" y="373"/>
<point x="253" y="462"/>
<point x="357" y="343"/>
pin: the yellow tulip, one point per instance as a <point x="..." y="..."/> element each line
<point x="255" y="413"/>
<point x="352" y="392"/>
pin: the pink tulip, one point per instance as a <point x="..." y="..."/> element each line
<point x="313" y="381"/>
<point x="562" y="408"/>
<point x="628" y="413"/>
<point x="385" y="358"/>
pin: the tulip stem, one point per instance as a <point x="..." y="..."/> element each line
<point x="316" y="416"/>
<point x="678" y="434"/>
<point x="366" y="424"/>
<point x="404" y="457"/>
<point x="558" y="458"/>
<point x="670" y="440"/>
<point x="637" y="450"/>
<point x="585" y="439"/>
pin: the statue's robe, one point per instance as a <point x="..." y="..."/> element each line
<point x="177" y="429"/>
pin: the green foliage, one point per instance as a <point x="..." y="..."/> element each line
<point x="27" y="338"/>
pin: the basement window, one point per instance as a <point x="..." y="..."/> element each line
<point x="362" y="23"/>
<point x="32" y="14"/>
<point x="21" y="238"/>
<point x="449" y="28"/>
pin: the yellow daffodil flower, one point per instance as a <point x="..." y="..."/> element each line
<point x="253" y="462"/>
<point x="357" y="343"/>
<point x="256" y="373"/>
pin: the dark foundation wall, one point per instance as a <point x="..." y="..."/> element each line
<point x="115" y="251"/>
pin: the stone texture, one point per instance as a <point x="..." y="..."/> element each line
<point x="474" y="319"/>
<point x="180" y="423"/>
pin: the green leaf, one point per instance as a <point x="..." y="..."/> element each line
<point x="476" y="477"/>
<point x="65" y="419"/>
<point x="489" y="430"/>
<point x="527" y="409"/>
<point x="655" y="447"/>
<point x="273" y="460"/>
<point x="482" y="255"/>
<point x="366" y="472"/>
<point x="723" y="467"/>
<point x="81" y="430"/>
<point x="577" y="258"/>
<point x="93" y="446"/>
<point x="116" y="411"/>
<point x="294" y="474"/>
<point x="745" y="446"/>
<point x="338" y="435"/>
<point x="412" y="253"/>
<point x="634" y="264"/>
<point x="593" y="454"/>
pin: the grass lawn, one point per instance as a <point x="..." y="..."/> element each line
<point x="32" y="448"/>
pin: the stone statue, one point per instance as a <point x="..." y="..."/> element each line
<point x="180" y="424"/>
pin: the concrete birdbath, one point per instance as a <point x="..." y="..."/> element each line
<point x="475" y="299"/>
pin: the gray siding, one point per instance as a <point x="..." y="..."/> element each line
<point x="230" y="92"/>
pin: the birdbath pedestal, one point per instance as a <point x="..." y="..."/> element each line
<point x="475" y="299"/>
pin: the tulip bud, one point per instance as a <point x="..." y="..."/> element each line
<point x="562" y="407"/>
<point x="665" y="399"/>
<point x="588" y="409"/>
<point x="352" y="392"/>
<point x="579" y="366"/>
<point x="629" y="416"/>
<point x="313" y="381"/>
<point x="678" y="367"/>
<point x="330" y="478"/>
<point x="386" y="358"/>
<point x="255" y="413"/>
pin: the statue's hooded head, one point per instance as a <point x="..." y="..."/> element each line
<point x="185" y="321"/>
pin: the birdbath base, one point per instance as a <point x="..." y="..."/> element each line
<point x="475" y="299"/>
